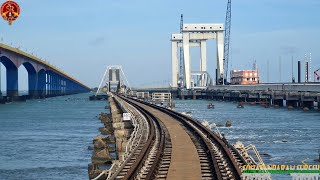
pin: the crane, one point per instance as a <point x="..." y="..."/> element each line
<point x="316" y="75"/>
<point x="181" y="53"/>
<point x="227" y="41"/>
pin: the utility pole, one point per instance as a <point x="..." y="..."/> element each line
<point x="310" y="69"/>
<point x="292" y="76"/>
<point x="280" y="75"/>
<point x="306" y="68"/>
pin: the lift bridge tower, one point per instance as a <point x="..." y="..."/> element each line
<point x="113" y="80"/>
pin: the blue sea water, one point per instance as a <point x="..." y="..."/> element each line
<point x="48" y="138"/>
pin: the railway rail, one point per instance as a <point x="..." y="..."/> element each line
<point x="218" y="159"/>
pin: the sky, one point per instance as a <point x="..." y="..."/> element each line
<point x="83" y="37"/>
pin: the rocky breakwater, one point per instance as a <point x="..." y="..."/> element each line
<point x="122" y="129"/>
<point x="109" y="147"/>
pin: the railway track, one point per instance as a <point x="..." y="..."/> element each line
<point x="152" y="159"/>
<point x="218" y="159"/>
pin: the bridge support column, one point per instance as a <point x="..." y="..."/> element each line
<point x="58" y="85"/>
<point x="67" y="87"/>
<point x="174" y="57"/>
<point x="41" y="85"/>
<point x="61" y="85"/>
<point x="64" y="86"/>
<point x="203" y="60"/>
<point x="278" y="102"/>
<point x="12" y="82"/>
<point x="307" y="105"/>
<point x="292" y="104"/>
<point x="186" y="54"/>
<point x="49" y="84"/>
<point x="32" y="84"/>
<point x="220" y="55"/>
<point x="55" y="85"/>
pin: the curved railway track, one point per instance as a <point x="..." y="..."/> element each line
<point x="218" y="159"/>
<point x="153" y="159"/>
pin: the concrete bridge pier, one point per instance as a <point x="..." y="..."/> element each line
<point x="12" y="82"/>
<point x="292" y="104"/>
<point x="243" y="97"/>
<point x="277" y="99"/>
<point x="292" y="100"/>
<point x="307" y="101"/>
<point x="227" y="96"/>
<point x="53" y="85"/>
<point x="307" y="105"/>
<point x="48" y="84"/>
<point x="41" y="85"/>
<point x="32" y="80"/>
<point x="56" y="86"/>
<point x="277" y="102"/>
<point x="253" y="97"/>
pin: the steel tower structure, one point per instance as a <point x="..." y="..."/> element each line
<point x="227" y="40"/>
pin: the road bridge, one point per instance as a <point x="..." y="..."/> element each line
<point x="44" y="79"/>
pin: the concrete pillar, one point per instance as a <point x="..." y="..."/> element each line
<point x="32" y="84"/>
<point x="53" y="84"/>
<point x="56" y="84"/>
<point x="203" y="60"/>
<point x="69" y="87"/>
<point x="278" y="102"/>
<point x="60" y="85"/>
<point x="50" y="84"/>
<point x="41" y="85"/>
<point x="174" y="58"/>
<point x="220" y="54"/>
<point x="307" y="105"/>
<point x="203" y="51"/>
<point x="65" y="86"/>
<point x="186" y="54"/>
<point x="292" y="104"/>
<point x="12" y="81"/>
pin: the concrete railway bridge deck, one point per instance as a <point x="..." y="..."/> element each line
<point x="174" y="146"/>
<point x="292" y="95"/>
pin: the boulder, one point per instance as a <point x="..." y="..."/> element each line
<point x="101" y="157"/>
<point x="106" y="130"/>
<point x="99" y="144"/>
<point x="228" y="123"/>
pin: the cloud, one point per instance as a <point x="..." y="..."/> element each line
<point x="97" y="41"/>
